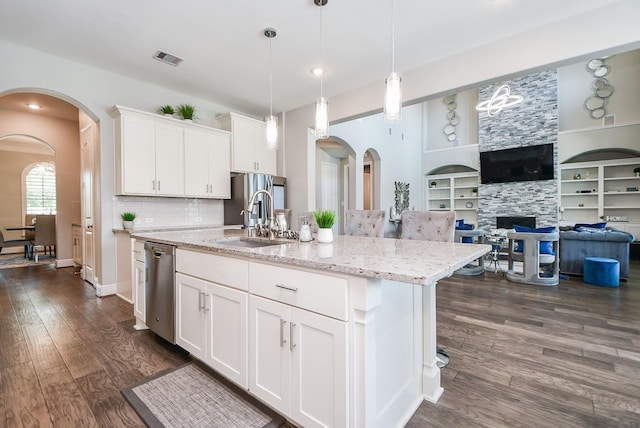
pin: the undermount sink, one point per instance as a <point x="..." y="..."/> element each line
<point x="246" y="243"/>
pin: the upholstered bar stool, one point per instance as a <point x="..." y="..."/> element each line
<point x="364" y="223"/>
<point x="471" y="237"/>
<point x="538" y="253"/>
<point x="428" y="225"/>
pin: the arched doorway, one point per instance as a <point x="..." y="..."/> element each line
<point x="27" y="184"/>
<point x="335" y="177"/>
<point x="56" y="122"/>
<point x="371" y="180"/>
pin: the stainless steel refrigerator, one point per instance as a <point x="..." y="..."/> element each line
<point x="245" y="185"/>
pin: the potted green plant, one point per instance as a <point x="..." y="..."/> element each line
<point x="325" y="220"/>
<point x="127" y="220"/>
<point x="187" y="111"/>
<point x="433" y="184"/>
<point x="474" y="190"/>
<point x="636" y="171"/>
<point x="166" y="110"/>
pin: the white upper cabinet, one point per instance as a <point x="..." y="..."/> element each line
<point x="169" y="160"/>
<point x="207" y="163"/>
<point x="160" y="156"/>
<point x="249" y="151"/>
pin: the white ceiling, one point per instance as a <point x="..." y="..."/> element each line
<point x="225" y="53"/>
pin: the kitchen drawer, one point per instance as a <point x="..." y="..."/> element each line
<point x="138" y="250"/>
<point x="321" y="293"/>
<point x="210" y="267"/>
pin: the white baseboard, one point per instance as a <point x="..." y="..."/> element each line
<point x="105" y="290"/>
<point x="60" y="263"/>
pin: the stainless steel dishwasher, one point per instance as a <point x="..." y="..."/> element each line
<point x="159" y="295"/>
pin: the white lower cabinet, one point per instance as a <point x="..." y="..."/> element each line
<point x="211" y="323"/>
<point x="191" y="316"/>
<point x="139" y="289"/>
<point x="298" y="363"/>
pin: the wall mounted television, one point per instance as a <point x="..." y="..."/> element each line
<point x="529" y="163"/>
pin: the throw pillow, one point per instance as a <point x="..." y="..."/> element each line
<point x="546" y="247"/>
<point x="600" y="225"/>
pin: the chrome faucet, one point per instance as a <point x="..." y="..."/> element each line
<point x="272" y="224"/>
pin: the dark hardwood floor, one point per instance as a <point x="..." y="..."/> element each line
<point x="566" y="356"/>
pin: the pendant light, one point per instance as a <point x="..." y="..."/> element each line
<point x="322" y="104"/>
<point x="393" y="93"/>
<point x="271" y="120"/>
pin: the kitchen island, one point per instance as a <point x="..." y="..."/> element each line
<point x="340" y="334"/>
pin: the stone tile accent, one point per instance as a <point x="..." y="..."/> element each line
<point x="534" y="121"/>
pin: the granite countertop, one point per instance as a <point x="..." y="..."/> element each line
<point x="411" y="261"/>
<point x="148" y="229"/>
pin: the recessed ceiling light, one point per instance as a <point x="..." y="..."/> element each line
<point x="34" y="106"/>
<point x="318" y="71"/>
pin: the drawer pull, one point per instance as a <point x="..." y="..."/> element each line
<point x="286" y="288"/>
<point x="291" y="344"/>
<point x="282" y="339"/>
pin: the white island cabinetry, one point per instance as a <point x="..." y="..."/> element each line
<point x="348" y="340"/>
<point x="298" y="357"/>
<point x="211" y="311"/>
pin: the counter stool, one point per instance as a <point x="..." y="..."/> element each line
<point x="476" y="267"/>
<point x="601" y="271"/>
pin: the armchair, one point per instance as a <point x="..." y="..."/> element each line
<point x="538" y="253"/>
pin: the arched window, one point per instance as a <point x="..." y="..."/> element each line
<point x="40" y="185"/>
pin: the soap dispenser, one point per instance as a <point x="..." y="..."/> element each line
<point x="305" y="230"/>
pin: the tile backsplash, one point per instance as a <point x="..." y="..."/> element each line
<point x="154" y="211"/>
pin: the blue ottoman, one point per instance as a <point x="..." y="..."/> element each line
<point x="601" y="271"/>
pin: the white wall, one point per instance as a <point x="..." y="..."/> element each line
<point x="574" y="87"/>
<point x="94" y="91"/>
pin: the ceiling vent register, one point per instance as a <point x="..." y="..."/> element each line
<point x="167" y="58"/>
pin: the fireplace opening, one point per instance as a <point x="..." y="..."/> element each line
<point x="508" y="222"/>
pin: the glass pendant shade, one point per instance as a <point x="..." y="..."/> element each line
<point x="322" y="117"/>
<point x="272" y="132"/>
<point x="393" y="98"/>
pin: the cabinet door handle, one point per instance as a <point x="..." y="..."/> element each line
<point x="291" y="344"/>
<point x="200" y="293"/>
<point x="204" y="304"/>
<point x="158" y="185"/>
<point x="294" y="289"/>
<point x="282" y="339"/>
<point x="153" y="184"/>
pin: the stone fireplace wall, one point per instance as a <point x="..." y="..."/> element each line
<point x="534" y="121"/>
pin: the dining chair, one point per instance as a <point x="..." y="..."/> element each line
<point x="13" y="243"/>
<point x="45" y="235"/>
<point x="428" y="225"/>
<point x="364" y="223"/>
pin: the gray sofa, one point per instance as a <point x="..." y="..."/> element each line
<point x="609" y="242"/>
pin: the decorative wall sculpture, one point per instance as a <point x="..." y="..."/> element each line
<point x="596" y="104"/>
<point x="452" y="117"/>
<point x="402" y="197"/>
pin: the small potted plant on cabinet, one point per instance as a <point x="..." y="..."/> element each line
<point x="325" y="220"/>
<point x="187" y="111"/>
<point x="433" y="184"/>
<point x="636" y="171"/>
<point x="167" y="110"/>
<point x="127" y="220"/>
